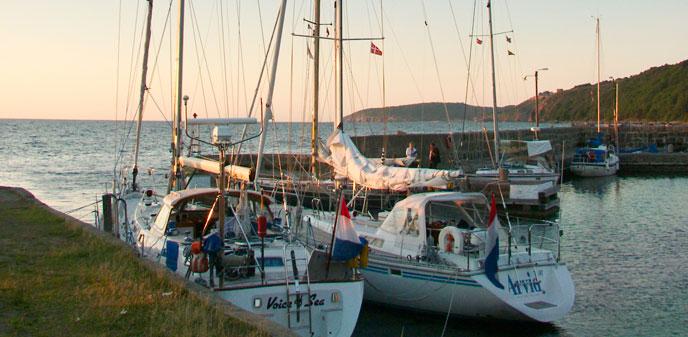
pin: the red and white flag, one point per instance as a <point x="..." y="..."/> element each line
<point x="374" y="49"/>
<point x="478" y="41"/>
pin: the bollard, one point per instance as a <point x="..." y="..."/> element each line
<point x="108" y="218"/>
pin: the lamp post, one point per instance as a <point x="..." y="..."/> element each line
<point x="537" y="100"/>
<point x="615" y="85"/>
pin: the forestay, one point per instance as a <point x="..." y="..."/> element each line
<point x="348" y="162"/>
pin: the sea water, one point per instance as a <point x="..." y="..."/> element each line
<point x="625" y="238"/>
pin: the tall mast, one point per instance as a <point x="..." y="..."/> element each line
<point x="339" y="60"/>
<point x="384" y="89"/>
<point x="176" y="131"/>
<point x="598" y="74"/>
<point x="271" y="88"/>
<point x="144" y="74"/>
<point x="316" y="88"/>
<point x="495" y="125"/>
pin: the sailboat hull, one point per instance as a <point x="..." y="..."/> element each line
<point x="536" y="293"/>
<point x="593" y="169"/>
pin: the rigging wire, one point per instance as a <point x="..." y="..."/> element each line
<point x="437" y="70"/>
<point x="116" y="124"/>
<point x="223" y="48"/>
<point x="157" y="54"/>
<point x="468" y="61"/>
<point x="197" y="42"/>
<point x="241" y="64"/>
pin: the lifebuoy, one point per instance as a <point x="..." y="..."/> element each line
<point x="449" y="246"/>
<point x="591" y="155"/>
<point x="450" y="240"/>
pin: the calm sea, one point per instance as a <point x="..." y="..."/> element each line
<point x="625" y="240"/>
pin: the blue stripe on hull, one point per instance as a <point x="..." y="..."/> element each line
<point x="425" y="277"/>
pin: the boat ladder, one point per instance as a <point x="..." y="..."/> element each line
<point x="299" y="305"/>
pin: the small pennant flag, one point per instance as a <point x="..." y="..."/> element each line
<point x="327" y="31"/>
<point x="508" y="39"/>
<point x="478" y="41"/>
<point x="374" y="49"/>
<point x="510" y="53"/>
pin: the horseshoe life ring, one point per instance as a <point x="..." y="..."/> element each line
<point x="450" y="240"/>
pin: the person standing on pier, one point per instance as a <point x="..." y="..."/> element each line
<point x="434" y="156"/>
<point x="411" y="155"/>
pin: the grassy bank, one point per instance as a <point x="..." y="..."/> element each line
<point x="61" y="280"/>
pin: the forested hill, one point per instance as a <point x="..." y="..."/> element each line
<point x="657" y="94"/>
<point x="419" y="112"/>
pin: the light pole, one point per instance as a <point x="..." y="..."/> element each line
<point x="615" y="86"/>
<point x="537" y="100"/>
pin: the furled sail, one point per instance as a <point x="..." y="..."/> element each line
<point x="213" y="167"/>
<point x="347" y="161"/>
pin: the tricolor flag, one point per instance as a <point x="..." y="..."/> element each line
<point x="347" y="244"/>
<point x="374" y="49"/>
<point x="478" y="41"/>
<point x="492" y="246"/>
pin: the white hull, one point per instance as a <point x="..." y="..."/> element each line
<point x="514" y="177"/>
<point x="331" y="310"/>
<point x="421" y="286"/>
<point x="608" y="168"/>
<point x="325" y="318"/>
<point x="436" y="291"/>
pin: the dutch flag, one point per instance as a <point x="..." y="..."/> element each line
<point x="347" y="243"/>
<point x="492" y="246"/>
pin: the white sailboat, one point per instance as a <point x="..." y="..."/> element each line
<point x="595" y="159"/>
<point x="260" y="270"/>
<point x="429" y="253"/>
<point x="525" y="162"/>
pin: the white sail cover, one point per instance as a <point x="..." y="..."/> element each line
<point x="522" y="147"/>
<point x="347" y="161"/>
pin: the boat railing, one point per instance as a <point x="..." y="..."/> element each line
<point x="543" y="235"/>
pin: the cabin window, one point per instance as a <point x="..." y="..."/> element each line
<point x="402" y="221"/>
<point x="458" y="213"/>
<point x="161" y="219"/>
<point x="272" y="261"/>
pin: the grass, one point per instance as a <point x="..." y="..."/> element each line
<point x="60" y="281"/>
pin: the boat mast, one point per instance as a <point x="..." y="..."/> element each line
<point x="271" y="88"/>
<point x="144" y="73"/>
<point x="495" y="125"/>
<point x="316" y="88"/>
<point x="339" y="60"/>
<point x="176" y="129"/>
<point x="598" y="73"/>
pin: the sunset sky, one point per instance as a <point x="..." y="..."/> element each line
<point x="60" y="59"/>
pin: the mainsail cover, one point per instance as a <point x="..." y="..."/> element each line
<point x="348" y="162"/>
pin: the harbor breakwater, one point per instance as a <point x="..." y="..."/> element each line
<point x="472" y="149"/>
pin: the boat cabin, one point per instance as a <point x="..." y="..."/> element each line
<point x="188" y="211"/>
<point x="416" y="224"/>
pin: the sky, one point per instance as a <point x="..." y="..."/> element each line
<point x="81" y="59"/>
